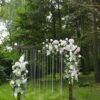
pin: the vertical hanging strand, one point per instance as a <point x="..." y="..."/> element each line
<point x="26" y="56"/>
<point x="44" y="70"/>
<point x="41" y="68"/>
<point x="34" y="63"/>
<point x="20" y="51"/>
<point x="56" y="66"/>
<point x="61" y="72"/>
<point x="39" y="59"/>
<point x="37" y="72"/>
<point x="36" y="68"/>
<point x="47" y="72"/>
<point x="61" y="83"/>
<point x="31" y="67"/>
<point x="52" y="73"/>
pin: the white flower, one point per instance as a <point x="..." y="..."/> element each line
<point x="22" y="91"/>
<point x="46" y="40"/>
<point x="79" y="56"/>
<point x="60" y="40"/>
<point x="49" y="16"/>
<point x="21" y="59"/>
<point x="13" y="67"/>
<point x="76" y="63"/>
<point x="63" y="18"/>
<point x="48" y="52"/>
<point x="76" y="77"/>
<point x="55" y="42"/>
<point x="75" y="46"/>
<point x="23" y="66"/>
<point x="77" y="50"/>
<point x="71" y="66"/>
<point x="15" y="94"/>
<point x="18" y="73"/>
<point x="66" y="55"/>
<point x="51" y="40"/>
<point x="66" y="76"/>
<point x="24" y="81"/>
<point x="18" y="82"/>
<point x="43" y="42"/>
<point x="39" y="51"/>
<point x="43" y="48"/>
<point x="50" y="47"/>
<point x="71" y="47"/>
<point x="26" y="71"/>
<point x="66" y="71"/>
<point x="71" y="41"/>
<point x="17" y="64"/>
<point x="66" y="39"/>
<point x="67" y="47"/>
<point x="15" y="44"/>
<point x="12" y="82"/>
<point x="61" y="50"/>
<point x="64" y="26"/>
<point x="73" y="73"/>
<point x="63" y="43"/>
<point x="46" y="45"/>
<point x="56" y="46"/>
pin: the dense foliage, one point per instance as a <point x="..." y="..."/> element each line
<point x="3" y="75"/>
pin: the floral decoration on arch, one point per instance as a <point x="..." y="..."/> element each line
<point x="19" y="76"/>
<point x="71" y="53"/>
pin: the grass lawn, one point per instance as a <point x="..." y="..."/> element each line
<point x="91" y="92"/>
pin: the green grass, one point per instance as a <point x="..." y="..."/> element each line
<point x="91" y="92"/>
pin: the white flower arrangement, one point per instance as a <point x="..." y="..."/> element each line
<point x="71" y="55"/>
<point x="19" y="76"/>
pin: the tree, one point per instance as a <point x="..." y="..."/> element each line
<point x="95" y="47"/>
<point x="35" y="20"/>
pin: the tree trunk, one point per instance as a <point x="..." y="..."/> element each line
<point x="19" y="96"/>
<point x="95" y="50"/>
<point x="70" y="91"/>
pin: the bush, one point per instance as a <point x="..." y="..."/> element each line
<point x="3" y="75"/>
